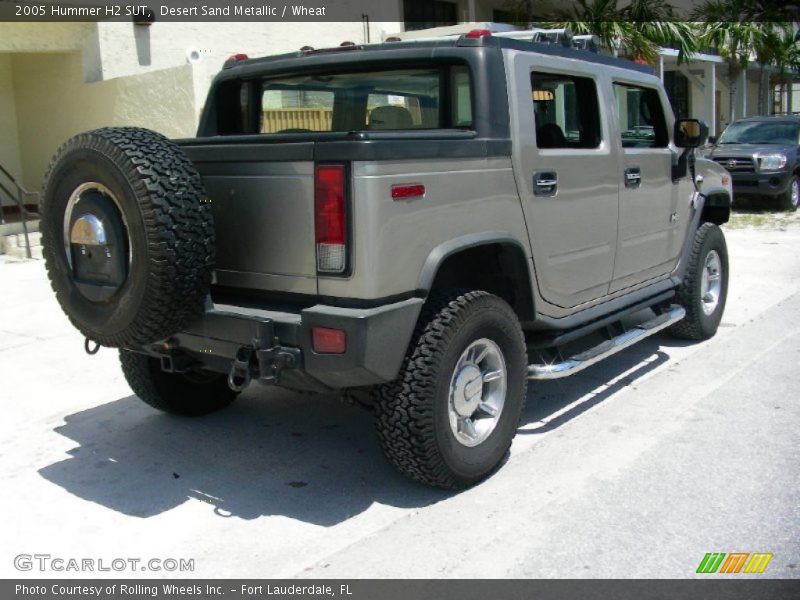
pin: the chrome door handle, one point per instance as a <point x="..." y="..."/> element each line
<point x="545" y="183"/>
<point x="633" y="177"/>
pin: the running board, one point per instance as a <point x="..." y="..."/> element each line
<point x="594" y="355"/>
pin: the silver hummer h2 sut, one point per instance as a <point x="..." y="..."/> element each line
<point x="423" y="225"/>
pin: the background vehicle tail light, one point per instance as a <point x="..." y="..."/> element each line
<point x="330" y="218"/>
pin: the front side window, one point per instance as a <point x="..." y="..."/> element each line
<point x="566" y="111"/>
<point x="389" y="100"/>
<point x="641" y="117"/>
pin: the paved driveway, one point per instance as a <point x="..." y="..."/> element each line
<point x="636" y="467"/>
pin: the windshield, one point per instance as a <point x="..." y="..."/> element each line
<point x="761" y="132"/>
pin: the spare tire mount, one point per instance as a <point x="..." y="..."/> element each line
<point x="96" y="241"/>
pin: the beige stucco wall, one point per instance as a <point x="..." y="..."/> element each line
<point x="9" y="137"/>
<point x="53" y="103"/>
<point x="126" y="49"/>
<point x="43" y="37"/>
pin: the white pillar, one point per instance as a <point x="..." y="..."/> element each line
<point x="471" y="11"/>
<point x="743" y="94"/>
<point x="661" y="67"/>
<point x="710" y="97"/>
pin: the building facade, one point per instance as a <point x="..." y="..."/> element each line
<point x="58" y="79"/>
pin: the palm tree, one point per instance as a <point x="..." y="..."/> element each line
<point x="767" y="47"/>
<point x="734" y="40"/>
<point x="603" y="19"/>
<point x="636" y="30"/>
<point x="786" y="59"/>
<point x="657" y="22"/>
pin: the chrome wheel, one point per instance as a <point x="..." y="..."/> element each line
<point x="795" y="192"/>
<point x="477" y="392"/>
<point x="711" y="283"/>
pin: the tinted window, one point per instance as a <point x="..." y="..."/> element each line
<point x="423" y="14"/>
<point x="641" y="117"/>
<point x="292" y="109"/>
<point x="566" y="111"/>
<point x="399" y="99"/>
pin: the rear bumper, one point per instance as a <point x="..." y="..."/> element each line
<point x="760" y="184"/>
<point x="276" y="346"/>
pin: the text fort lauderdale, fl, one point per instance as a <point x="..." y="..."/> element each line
<point x="266" y="10"/>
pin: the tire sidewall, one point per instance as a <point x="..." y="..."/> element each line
<point x="787" y="198"/>
<point x="713" y="239"/>
<point x="104" y="319"/>
<point x="500" y="326"/>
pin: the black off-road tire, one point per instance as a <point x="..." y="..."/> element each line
<point x="170" y="234"/>
<point x="194" y="394"/>
<point x="787" y="200"/>
<point x="697" y="325"/>
<point x="412" y="411"/>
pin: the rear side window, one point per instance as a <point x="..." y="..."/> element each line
<point x="387" y="100"/>
<point x="565" y="111"/>
<point x="641" y="117"/>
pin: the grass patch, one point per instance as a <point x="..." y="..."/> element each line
<point x="762" y="219"/>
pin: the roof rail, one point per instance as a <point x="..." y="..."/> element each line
<point x="561" y="37"/>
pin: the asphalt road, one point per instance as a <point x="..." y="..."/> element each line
<point x="635" y="468"/>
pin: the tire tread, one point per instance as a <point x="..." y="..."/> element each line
<point x="178" y="227"/>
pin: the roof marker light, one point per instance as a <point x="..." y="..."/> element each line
<point x="234" y="59"/>
<point x="478" y="33"/>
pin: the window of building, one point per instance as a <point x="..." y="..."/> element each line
<point x="566" y="111"/>
<point x="423" y="14"/>
<point x="641" y="117"/>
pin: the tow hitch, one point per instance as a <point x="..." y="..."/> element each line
<point x="263" y="364"/>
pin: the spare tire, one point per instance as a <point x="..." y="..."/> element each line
<point x="128" y="236"/>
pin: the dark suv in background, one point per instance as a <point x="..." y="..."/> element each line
<point x="763" y="157"/>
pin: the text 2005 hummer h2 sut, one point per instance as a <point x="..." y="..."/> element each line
<point x="424" y="225"/>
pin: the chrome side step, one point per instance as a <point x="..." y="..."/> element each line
<point x="594" y="355"/>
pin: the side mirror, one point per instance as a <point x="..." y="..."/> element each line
<point x="690" y="133"/>
<point x="712" y="139"/>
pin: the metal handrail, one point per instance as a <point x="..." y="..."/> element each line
<point x="20" y="202"/>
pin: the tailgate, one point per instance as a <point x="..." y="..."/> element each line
<point x="263" y="204"/>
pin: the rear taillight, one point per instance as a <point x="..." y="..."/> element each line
<point x="330" y="218"/>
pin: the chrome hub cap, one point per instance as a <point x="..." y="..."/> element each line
<point x="96" y="242"/>
<point x="88" y="229"/>
<point x="711" y="284"/>
<point x="795" y="192"/>
<point x="477" y="392"/>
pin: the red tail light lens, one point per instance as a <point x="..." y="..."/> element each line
<point x="330" y="218"/>
<point x="234" y="59"/>
<point x="404" y="192"/>
<point x="478" y="33"/>
<point x="328" y="341"/>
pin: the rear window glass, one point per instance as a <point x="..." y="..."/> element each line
<point x="388" y="100"/>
